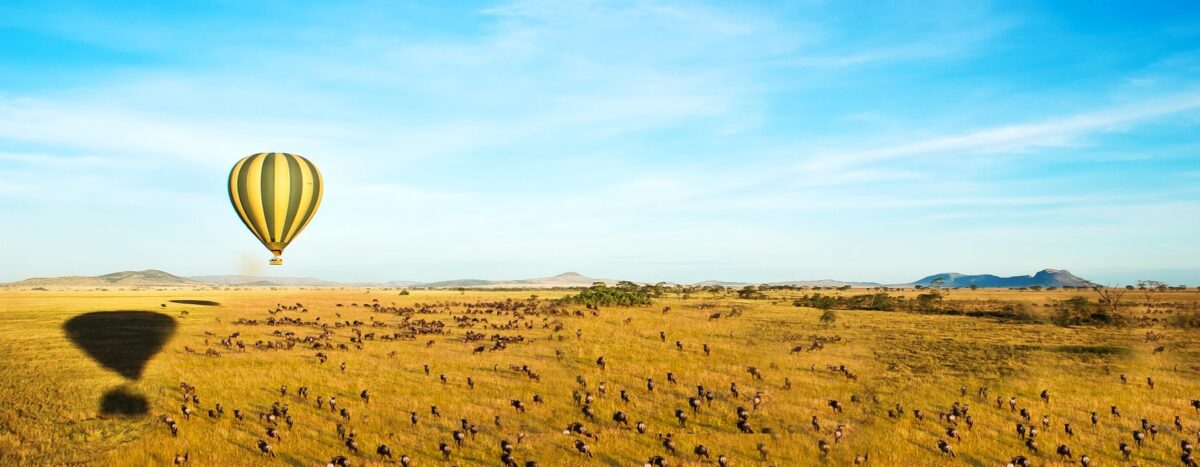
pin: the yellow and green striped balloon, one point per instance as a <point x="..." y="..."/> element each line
<point x="276" y="195"/>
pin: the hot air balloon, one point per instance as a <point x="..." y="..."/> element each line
<point x="276" y="195"/>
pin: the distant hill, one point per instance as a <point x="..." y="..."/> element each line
<point x="564" y="280"/>
<point x="259" y="284"/>
<point x="710" y="283"/>
<point x="1044" y="278"/>
<point x="262" y="280"/>
<point x="457" y="283"/>
<point x="147" y="278"/>
<point x="152" y="277"/>
<point x="816" y="283"/>
<point x="399" y="284"/>
<point x="827" y="283"/>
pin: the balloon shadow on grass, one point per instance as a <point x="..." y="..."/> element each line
<point x="123" y="401"/>
<point x="122" y="341"/>
<point x="196" y="302"/>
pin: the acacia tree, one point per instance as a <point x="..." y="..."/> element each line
<point x="627" y="285"/>
<point x="1110" y="297"/>
<point x="1147" y="288"/>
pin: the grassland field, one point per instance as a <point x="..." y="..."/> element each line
<point x="50" y="388"/>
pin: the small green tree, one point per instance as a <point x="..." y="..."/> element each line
<point x="750" y="292"/>
<point x="929" y="302"/>
<point x="828" y="317"/>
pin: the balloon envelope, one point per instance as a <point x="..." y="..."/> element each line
<point x="276" y="194"/>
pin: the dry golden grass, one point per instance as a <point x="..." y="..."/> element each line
<point x="50" y="389"/>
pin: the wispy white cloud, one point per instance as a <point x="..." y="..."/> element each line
<point x="1061" y="131"/>
<point x="102" y="129"/>
<point x="67" y="163"/>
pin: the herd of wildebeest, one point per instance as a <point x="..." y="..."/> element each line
<point x="493" y="326"/>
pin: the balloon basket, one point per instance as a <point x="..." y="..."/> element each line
<point x="277" y="262"/>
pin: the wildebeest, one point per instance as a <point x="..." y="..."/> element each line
<point x="669" y="443"/>
<point x="266" y="448"/>
<point x="338" y="461"/>
<point x="946" y="448"/>
<point x="583" y="448"/>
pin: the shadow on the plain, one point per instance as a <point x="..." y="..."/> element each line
<point x="122" y="341"/>
<point x="123" y="402"/>
<point x="196" y="302"/>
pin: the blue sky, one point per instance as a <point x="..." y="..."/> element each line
<point x="677" y="141"/>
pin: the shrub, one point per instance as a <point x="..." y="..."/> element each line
<point x="751" y="293"/>
<point x="879" y="302"/>
<point x="1017" y="311"/>
<point x="600" y="295"/>
<point x="929" y="302"/>
<point x="1079" y="311"/>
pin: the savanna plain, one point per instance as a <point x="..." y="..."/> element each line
<point x="826" y="384"/>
